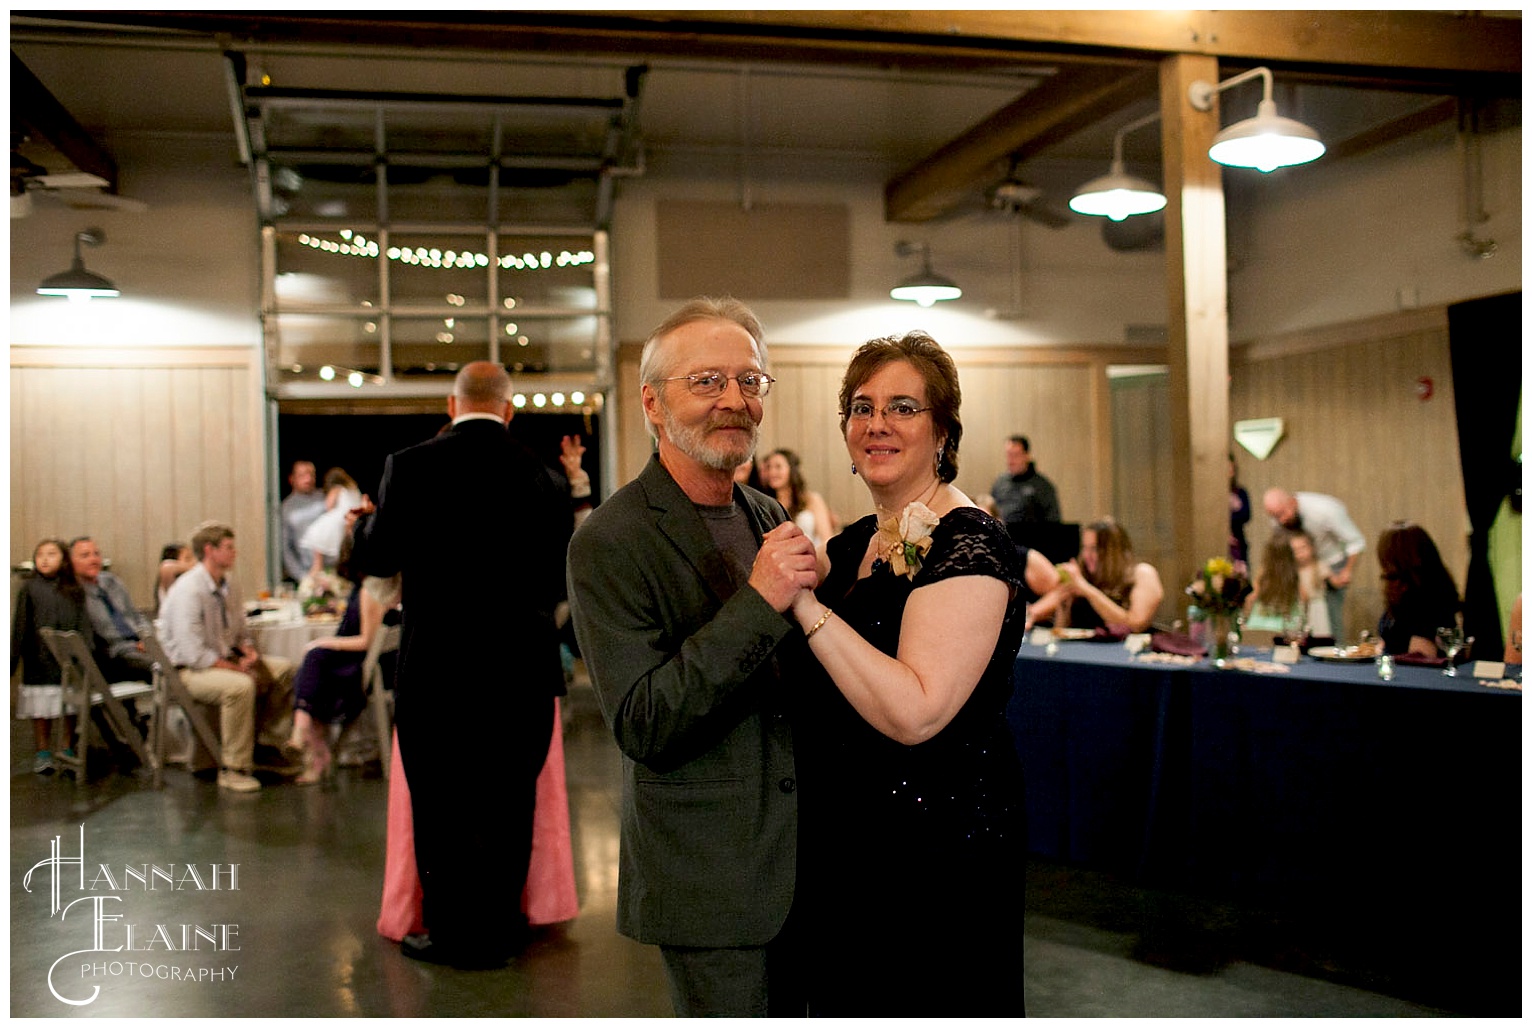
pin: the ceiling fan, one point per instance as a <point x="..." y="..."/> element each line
<point x="78" y="190"/>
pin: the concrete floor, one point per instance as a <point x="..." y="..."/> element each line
<point x="310" y="871"/>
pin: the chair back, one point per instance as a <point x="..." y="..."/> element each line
<point x="81" y="687"/>
<point x="173" y="691"/>
<point x="385" y="640"/>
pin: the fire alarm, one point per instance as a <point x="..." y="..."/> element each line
<point x="1424" y="387"/>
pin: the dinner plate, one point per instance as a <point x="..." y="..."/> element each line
<point x="1336" y="653"/>
<point x="1074" y="634"/>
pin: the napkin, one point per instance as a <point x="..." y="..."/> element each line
<point x="1175" y="642"/>
<point x="1417" y="660"/>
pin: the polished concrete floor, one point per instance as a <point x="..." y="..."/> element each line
<point x="309" y="873"/>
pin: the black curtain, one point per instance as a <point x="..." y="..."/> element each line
<point x="1485" y="341"/>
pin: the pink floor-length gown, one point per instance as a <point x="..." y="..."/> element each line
<point x="549" y="896"/>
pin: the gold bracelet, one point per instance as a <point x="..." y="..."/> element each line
<point x="818" y="624"/>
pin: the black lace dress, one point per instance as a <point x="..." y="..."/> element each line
<point x="912" y="858"/>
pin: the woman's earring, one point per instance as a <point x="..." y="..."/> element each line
<point x="854" y="471"/>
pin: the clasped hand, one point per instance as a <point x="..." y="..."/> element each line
<point x="785" y="566"/>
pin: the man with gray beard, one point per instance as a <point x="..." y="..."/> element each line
<point x="677" y="588"/>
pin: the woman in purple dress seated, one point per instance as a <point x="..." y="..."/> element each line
<point x="328" y="688"/>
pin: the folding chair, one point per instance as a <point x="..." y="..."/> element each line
<point x="84" y="688"/>
<point x="171" y="691"/>
<point x="379" y="695"/>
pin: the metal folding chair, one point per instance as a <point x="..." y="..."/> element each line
<point x="84" y="688"/>
<point x="171" y="691"/>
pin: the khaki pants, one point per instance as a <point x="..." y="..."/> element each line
<point x="263" y="697"/>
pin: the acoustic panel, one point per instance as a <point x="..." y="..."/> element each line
<point x="785" y="251"/>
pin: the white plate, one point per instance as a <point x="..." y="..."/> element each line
<point x="1335" y="653"/>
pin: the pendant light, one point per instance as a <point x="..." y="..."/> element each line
<point x="1265" y="142"/>
<point x="926" y="287"/>
<point x="77" y="283"/>
<point x="1118" y="195"/>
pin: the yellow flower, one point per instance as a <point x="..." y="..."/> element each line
<point x="1220" y="566"/>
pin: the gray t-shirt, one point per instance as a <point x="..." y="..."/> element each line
<point x="733" y="537"/>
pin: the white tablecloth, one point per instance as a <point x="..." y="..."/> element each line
<point x="287" y="638"/>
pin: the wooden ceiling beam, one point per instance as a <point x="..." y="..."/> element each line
<point x="1397" y="45"/>
<point x="1063" y="105"/>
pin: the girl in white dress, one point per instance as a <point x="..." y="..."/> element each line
<point x="323" y="537"/>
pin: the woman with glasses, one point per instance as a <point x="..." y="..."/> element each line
<point x="911" y="847"/>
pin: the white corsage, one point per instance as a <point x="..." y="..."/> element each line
<point x="904" y="540"/>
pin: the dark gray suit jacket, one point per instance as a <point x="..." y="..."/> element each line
<point x="695" y="688"/>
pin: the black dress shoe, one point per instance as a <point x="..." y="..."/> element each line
<point x="422" y="947"/>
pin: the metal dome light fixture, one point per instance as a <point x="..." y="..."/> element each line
<point x="1118" y="195"/>
<point x="1265" y="142"/>
<point x="77" y="283"/>
<point x="925" y="287"/>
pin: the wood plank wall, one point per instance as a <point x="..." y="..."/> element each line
<point x="1057" y="397"/>
<point x="1358" y="429"/>
<point x="136" y="448"/>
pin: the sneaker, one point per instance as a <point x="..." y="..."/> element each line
<point x="42" y="764"/>
<point x="238" y="781"/>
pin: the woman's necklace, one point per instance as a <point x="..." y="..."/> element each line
<point x="882" y="510"/>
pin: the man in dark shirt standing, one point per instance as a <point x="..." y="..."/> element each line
<point x="1021" y="494"/>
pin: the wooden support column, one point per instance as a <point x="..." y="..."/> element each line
<point x="1197" y="291"/>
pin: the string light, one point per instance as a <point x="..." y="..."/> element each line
<point x="354" y="244"/>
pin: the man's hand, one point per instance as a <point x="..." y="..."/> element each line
<point x="785" y="566"/>
<point x="364" y="508"/>
<point x="571" y="451"/>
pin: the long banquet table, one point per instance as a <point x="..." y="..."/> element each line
<point x="1323" y="785"/>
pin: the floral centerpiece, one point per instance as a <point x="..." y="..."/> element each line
<point x="904" y="540"/>
<point x="1219" y="592"/>
<point x="319" y="593"/>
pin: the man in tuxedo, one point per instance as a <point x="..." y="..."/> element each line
<point x="478" y="529"/>
<point x="677" y="586"/>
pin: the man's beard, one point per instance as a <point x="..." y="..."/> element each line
<point x="693" y="441"/>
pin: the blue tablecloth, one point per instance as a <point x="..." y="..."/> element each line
<point x="1325" y="782"/>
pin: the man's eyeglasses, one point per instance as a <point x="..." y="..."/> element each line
<point x="895" y="410"/>
<point x="753" y="384"/>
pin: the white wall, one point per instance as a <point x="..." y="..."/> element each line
<point x="188" y="266"/>
<point x="1061" y="272"/>
<point x="1327" y="244"/>
<point x="1342" y="241"/>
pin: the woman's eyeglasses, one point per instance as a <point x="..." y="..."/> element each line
<point x="753" y="384"/>
<point x="895" y="410"/>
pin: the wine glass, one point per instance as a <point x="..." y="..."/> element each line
<point x="1450" y="638"/>
<point x="1295" y="628"/>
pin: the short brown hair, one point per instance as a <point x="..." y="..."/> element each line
<point x="943" y="394"/>
<point x="209" y="533"/>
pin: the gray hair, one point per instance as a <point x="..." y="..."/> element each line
<point x="653" y="367"/>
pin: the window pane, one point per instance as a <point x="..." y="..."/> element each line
<point x="537" y="345"/>
<point x="337" y="268"/>
<point x="546" y="271"/>
<point x="306" y="343"/>
<point x="438" y="269"/>
<point x="438" y="346"/>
